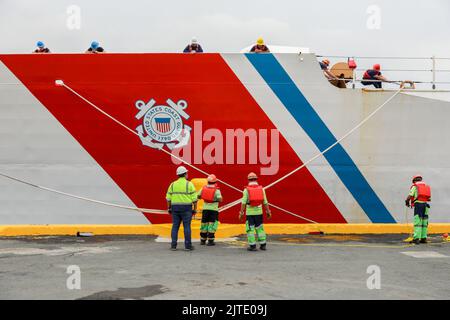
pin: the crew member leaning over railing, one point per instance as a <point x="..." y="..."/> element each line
<point x="374" y="77"/>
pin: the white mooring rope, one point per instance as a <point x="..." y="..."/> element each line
<point x="154" y="211"/>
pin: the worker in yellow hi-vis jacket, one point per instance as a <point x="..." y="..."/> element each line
<point x="182" y="204"/>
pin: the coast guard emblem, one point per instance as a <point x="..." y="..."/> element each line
<point x="162" y="125"/>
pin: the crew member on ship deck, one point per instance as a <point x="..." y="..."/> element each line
<point x="374" y="77"/>
<point x="193" y="47"/>
<point x="324" y="64"/>
<point x="41" y="48"/>
<point x="95" y="48"/>
<point x="259" y="47"/>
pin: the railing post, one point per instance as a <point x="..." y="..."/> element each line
<point x="354" y="77"/>
<point x="433" y="59"/>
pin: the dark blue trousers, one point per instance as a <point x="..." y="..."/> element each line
<point x="186" y="218"/>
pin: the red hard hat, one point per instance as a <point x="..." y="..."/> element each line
<point x="417" y="177"/>
<point x="212" y="178"/>
<point x="376" y="67"/>
<point x="252" y="176"/>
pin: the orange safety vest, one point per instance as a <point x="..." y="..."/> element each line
<point x="423" y="191"/>
<point x="255" y="195"/>
<point x="208" y="193"/>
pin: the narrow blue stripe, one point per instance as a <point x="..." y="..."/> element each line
<point x="303" y="112"/>
<point x="162" y="120"/>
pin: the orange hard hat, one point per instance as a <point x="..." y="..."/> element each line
<point x="211" y="178"/>
<point x="376" y="67"/>
<point x="252" y="176"/>
<point x="326" y="61"/>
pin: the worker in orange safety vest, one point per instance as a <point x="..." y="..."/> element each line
<point x="418" y="198"/>
<point x="211" y="196"/>
<point x="253" y="200"/>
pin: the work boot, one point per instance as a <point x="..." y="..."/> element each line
<point x="252" y="248"/>
<point x="189" y="248"/>
<point x="173" y="248"/>
<point x="211" y="243"/>
<point x="415" y="241"/>
<point x="202" y="242"/>
<point x="423" y="240"/>
<point x="263" y="247"/>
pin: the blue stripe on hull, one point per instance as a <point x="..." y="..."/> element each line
<point x="305" y="115"/>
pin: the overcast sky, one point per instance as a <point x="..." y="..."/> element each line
<point x="407" y="28"/>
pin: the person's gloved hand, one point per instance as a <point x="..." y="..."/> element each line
<point x="241" y="215"/>
<point x="269" y="215"/>
<point x="194" y="212"/>
<point x="407" y="203"/>
<point x="169" y="211"/>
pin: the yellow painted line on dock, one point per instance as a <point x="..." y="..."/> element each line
<point x="343" y="245"/>
<point x="224" y="231"/>
<point x="293" y="244"/>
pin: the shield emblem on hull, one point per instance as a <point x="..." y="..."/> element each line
<point x="162" y="125"/>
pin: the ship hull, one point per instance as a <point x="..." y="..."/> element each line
<point x="263" y="113"/>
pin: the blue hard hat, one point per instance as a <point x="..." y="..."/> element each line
<point x="40" y="44"/>
<point x="94" y="45"/>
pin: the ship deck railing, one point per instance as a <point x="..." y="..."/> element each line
<point x="433" y="71"/>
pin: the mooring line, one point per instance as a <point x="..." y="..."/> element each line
<point x="153" y="211"/>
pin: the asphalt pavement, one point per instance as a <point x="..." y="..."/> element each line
<point x="293" y="267"/>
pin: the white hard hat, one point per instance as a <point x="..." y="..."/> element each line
<point x="194" y="40"/>
<point x="181" y="170"/>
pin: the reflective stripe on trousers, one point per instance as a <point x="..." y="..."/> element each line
<point x="255" y="234"/>
<point x="251" y="234"/>
<point x="420" y="227"/>
<point x="261" y="234"/>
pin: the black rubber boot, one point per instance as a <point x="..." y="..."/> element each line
<point x="203" y="237"/>
<point x="211" y="243"/>
<point x="424" y="240"/>
<point x="415" y="241"/>
<point x="252" y="248"/>
<point x="263" y="247"/>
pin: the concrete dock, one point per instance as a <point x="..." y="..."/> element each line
<point x="294" y="267"/>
